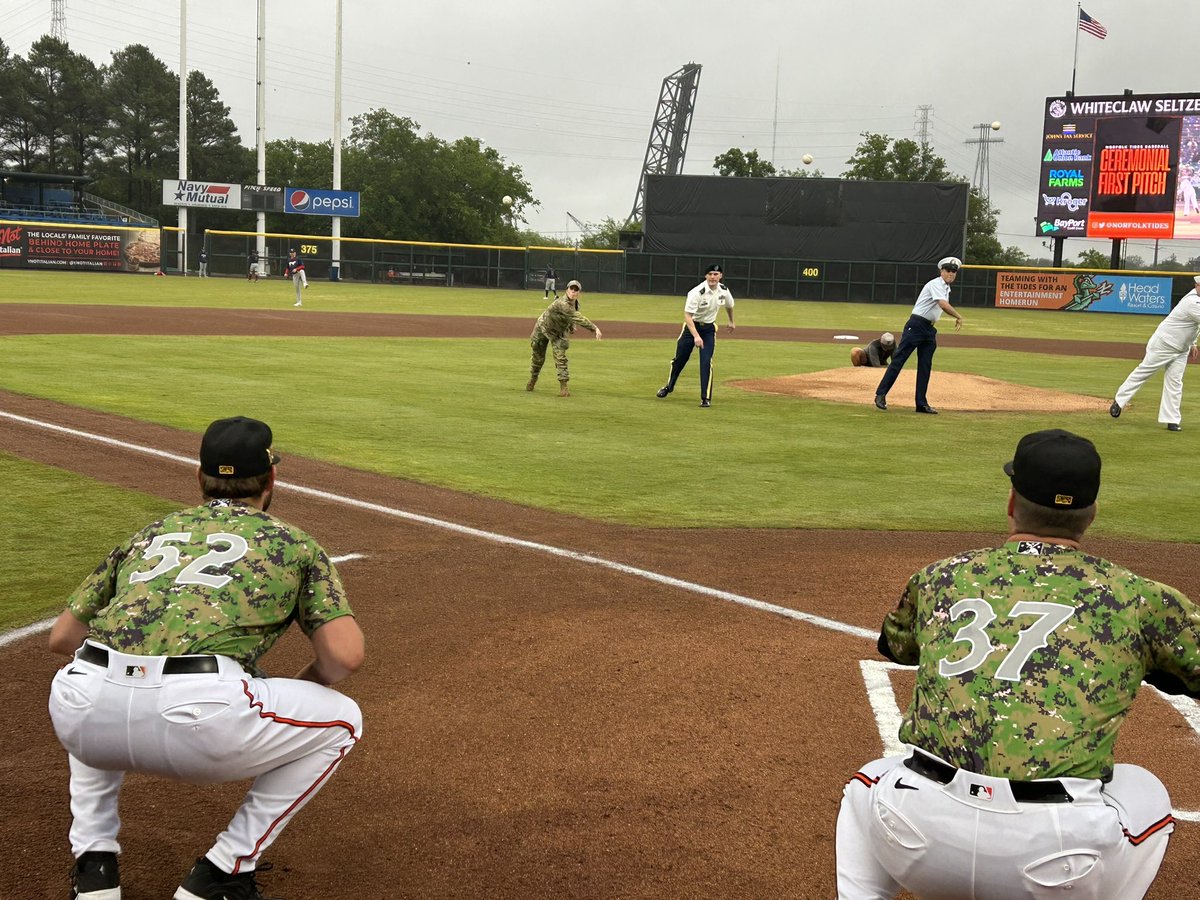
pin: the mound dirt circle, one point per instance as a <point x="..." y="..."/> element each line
<point x="947" y="390"/>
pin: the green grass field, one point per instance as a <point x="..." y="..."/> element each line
<point x="454" y="413"/>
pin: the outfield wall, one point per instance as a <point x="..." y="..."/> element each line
<point x="620" y="271"/>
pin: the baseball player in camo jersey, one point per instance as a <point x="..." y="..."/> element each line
<point x="700" y="330"/>
<point x="1028" y="659"/>
<point x="553" y="329"/>
<point x="1169" y="348"/>
<point x="167" y="682"/>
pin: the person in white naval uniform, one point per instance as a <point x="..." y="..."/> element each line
<point x="1169" y="348"/>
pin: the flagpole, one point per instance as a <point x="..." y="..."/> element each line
<point x="1075" y="61"/>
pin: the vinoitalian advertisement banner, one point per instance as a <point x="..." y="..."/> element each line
<point x="58" y="246"/>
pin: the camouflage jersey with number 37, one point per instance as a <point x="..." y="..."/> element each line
<point x="1032" y="655"/>
<point x="222" y="577"/>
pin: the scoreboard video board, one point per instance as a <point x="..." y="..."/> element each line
<point x="1120" y="167"/>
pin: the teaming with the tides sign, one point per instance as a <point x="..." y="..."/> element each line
<point x="1121" y="166"/>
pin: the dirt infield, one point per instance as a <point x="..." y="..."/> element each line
<point x="955" y="390"/>
<point x="536" y="725"/>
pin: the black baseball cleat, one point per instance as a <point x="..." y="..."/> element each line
<point x="880" y="401"/>
<point x="927" y="409"/>
<point x="1115" y="410"/>
<point x="96" y="877"/>
<point x="662" y="392"/>
<point x="705" y="404"/>
<point x="206" y="882"/>
<point x="1174" y="426"/>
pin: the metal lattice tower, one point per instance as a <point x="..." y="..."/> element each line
<point x="58" y="20"/>
<point x="981" y="180"/>
<point x="669" y="133"/>
<point x="921" y="125"/>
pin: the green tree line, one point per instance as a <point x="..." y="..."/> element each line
<point x="118" y="124"/>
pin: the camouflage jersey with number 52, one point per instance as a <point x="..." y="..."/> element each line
<point x="221" y="578"/>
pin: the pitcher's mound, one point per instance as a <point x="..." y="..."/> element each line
<point x="947" y="390"/>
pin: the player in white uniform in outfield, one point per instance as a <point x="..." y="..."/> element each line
<point x="167" y="682"/>
<point x="1029" y="656"/>
<point x="1169" y="348"/>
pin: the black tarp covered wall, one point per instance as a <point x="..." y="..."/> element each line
<point x="806" y="218"/>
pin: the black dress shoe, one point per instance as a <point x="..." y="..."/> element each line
<point x="705" y="404"/>
<point x="1174" y="426"/>
<point x="927" y="409"/>
<point x="1115" y="410"/>
<point x="661" y="392"/>
<point x="880" y="401"/>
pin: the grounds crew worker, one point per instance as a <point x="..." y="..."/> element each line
<point x="167" y="682"/>
<point x="1029" y="656"/>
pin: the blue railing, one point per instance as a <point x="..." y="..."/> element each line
<point x="59" y="212"/>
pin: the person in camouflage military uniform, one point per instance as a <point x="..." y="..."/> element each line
<point x="552" y="328"/>
<point x="168" y="680"/>
<point x="1028" y="659"/>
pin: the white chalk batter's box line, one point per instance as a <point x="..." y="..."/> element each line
<point x="878" y="683"/>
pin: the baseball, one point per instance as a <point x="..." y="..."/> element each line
<point x="506" y="200"/>
<point x="995" y="126"/>
<point x="807" y="159"/>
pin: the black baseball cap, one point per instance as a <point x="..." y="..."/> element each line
<point x="237" y="448"/>
<point x="714" y="268"/>
<point x="1055" y="468"/>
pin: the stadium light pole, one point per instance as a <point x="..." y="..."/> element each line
<point x="336" y="231"/>
<point x="260" y="109"/>
<point x="183" y="131"/>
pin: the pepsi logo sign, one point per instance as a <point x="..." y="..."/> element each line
<point x="299" y="199"/>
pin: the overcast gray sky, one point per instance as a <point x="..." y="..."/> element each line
<point x="567" y="90"/>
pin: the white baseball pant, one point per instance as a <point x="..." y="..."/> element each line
<point x="899" y="830"/>
<point x="1174" y="364"/>
<point x="288" y="735"/>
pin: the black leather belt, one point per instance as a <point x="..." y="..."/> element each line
<point x="174" y="665"/>
<point x="1022" y="791"/>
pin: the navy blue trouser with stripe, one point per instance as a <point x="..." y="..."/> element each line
<point x="683" y="352"/>
<point x="921" y="336"/>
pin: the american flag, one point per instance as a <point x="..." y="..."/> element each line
<point x="1092" y="26"/>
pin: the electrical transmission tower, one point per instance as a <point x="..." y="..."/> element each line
<point x="58" y="20"/>
<point x="982" y="180"/>
<point x="921" y="125"/>
<point x="669" y="133"/>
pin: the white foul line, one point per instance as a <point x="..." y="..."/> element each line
<point x="873" y="672"/>
<point x="819" y="621"/>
